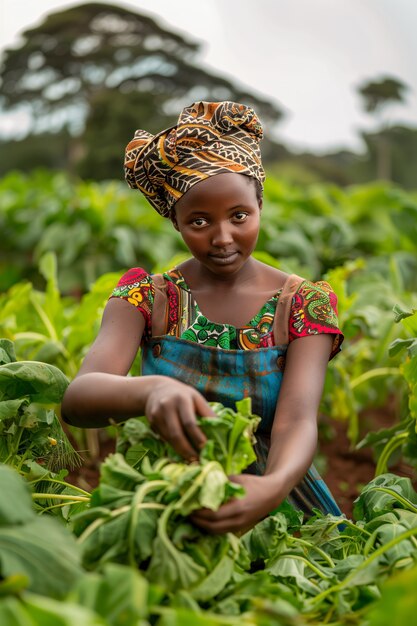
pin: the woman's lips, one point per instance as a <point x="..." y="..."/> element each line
<point x="224" y="259"/>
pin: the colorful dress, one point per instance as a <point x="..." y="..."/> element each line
<point x="226" y="363"/>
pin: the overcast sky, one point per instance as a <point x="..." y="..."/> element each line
<point x="307" y="55"/>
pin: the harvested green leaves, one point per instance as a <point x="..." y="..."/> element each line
<point x="139" y="513"/>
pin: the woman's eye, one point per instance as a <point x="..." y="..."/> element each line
<point x="240" y="216"/>
<point x="199" y="221"/>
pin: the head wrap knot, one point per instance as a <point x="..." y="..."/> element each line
<point x="210" y="138"/>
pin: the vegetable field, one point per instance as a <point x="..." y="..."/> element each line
<point x="125" y="552"/>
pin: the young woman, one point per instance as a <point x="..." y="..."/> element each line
<point x="221" y="325"/>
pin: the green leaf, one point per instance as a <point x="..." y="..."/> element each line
<point x="14" y="585"/>
<point x="15" y="502"/>
<point x="400" y="313"/>
<point x="7" y="352"/>
<point x="410" y="323"/>
<point x="48" y="612"/>
<point x="10" y="408"/>
<point x="27" y="548"/>
<point x="383" y="494"/>
<point x="212" y="491"/>
<point x="27" y="541"/>
<point x="14" y="613"/>
<point x="284" y="567"/>
<point x="230" y="438"/>
<point x="267" y="538"/>
<point x="41" y="382"/>
<point x="171" y="568"/>
<point x="216" y="580"/>
<point x="116" y="472"/>
<point x="347" y="566"/>
<point x="185" y="617"/>
<point x="119" y="595"/>
<point x="402" y="344"/>
<point x="398" y="603"/>
<point x="108" y="541"/>
<point x="145" y="532"/>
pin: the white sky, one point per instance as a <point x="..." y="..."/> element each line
<point x="307" y="55"/>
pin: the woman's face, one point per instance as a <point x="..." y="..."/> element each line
<point x="219" y="221"/>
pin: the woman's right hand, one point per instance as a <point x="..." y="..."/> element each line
<point x="171" y="409"/>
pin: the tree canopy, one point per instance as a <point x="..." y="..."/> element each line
<point x="82" y="57"/>
<point x="377" y="94"/>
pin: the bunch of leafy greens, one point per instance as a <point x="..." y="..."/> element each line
<point x="230" y="439"/>
<point x="139" y="513"/>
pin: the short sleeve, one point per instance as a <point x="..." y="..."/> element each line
<point x="137" y="288"/>
<point x="313" y="312"/>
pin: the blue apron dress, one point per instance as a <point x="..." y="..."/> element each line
<point x="229" y="375"/>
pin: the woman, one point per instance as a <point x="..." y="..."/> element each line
<point x="221" y="325"/>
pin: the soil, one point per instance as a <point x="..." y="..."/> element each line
<point x="345" y="470"/>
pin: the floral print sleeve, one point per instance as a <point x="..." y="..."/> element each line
<point x="314" y="311"/>
<point x="137" y="288"/>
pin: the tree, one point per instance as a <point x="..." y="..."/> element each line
<point x="402" y="141"/>
<point x="98" y="67"/>
<point x="376" y="96"/>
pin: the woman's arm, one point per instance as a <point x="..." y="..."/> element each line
<point x="294" y="433"/>
<point x="102" y="391"/>
<point x="293" y="440"/>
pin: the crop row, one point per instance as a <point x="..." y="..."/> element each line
<point x="95" y="228"/>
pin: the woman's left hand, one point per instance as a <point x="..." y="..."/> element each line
<point x="240" y="514"/>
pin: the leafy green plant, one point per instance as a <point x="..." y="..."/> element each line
<point x="323" y="569"/>
<point x="96" y="228"/>
<point x="402" y="437"/>
<point x="283" y="572"/>
<point x="32" y="439"/>
<point x="28" y="542"/>
<point x="48" y="327"/>
<point x="30" y="430"/>
<point x="364" y="374"/>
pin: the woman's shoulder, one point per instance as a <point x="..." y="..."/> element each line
<point x="314" y="311"/>
<point x="319" y="289"/>
<point x="136" y="287"/>
<point x="133" y="277"/>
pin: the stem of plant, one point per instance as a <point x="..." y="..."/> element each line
<point x="45" y="319"/>
<point x="375" y="373"/>
<point x="196" y="484"/>
<point x="58" y="496"/>
<point x="381" y="550"/>
<point x="406" y="503"/>
<point x="348" y="522"/>
<point x="102" y="520"/>
<point x="58" y="506"/>
<point x="326" y="557"/>
<point x="59" y="482"/>
<point x="298" y="557"/>
<point x="136" y="501"/>
<point x="388" y="450"/>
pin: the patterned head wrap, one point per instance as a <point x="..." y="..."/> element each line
<point x="210" y="138"/>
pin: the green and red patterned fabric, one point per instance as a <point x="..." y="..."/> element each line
<point x="313" y="311"/>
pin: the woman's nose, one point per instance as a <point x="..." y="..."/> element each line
<point x="222" y="235"/>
